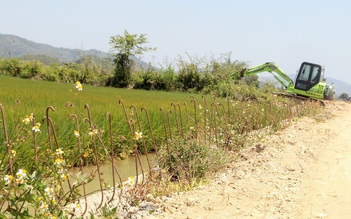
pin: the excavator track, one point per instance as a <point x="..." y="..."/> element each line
<point x="302" y="98"/>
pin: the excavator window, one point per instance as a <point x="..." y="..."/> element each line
<point x="305" y="73"/>
<point x="315" y="74"/>
<point x="308" y="76"/>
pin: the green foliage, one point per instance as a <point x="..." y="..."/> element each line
<point x="220" y="75"/>
<point x="11" y="67"/>
<point x="39" y="194"/>
<point x="196" y="76"/>
<point x="168" y="78"/>
<point x="107" y="212"/>
<point x="252" y="80"/>
<point x="269" y="87"/>
<point x="188" y="78"/>
<point x="31" y="69"/>
<point x="151" y="79"/>
<point x="86" y="70"/>
<point x="129" y="44"/>
<point x="122" y="71"/>
<point x="125" y="47"/>
<point x="146" y="80"/>
<point x="188" y="159"/>
<point x="244" y="92"/>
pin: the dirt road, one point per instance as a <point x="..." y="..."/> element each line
<point x="302" y="172"/>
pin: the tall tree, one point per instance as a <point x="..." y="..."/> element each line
<point x="123" y="48"/>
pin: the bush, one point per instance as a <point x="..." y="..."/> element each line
<point x="189" y="78"/>
<point x="146" y="80"/>
<point x="10" y="66"/>
<point x="188" y="159"/>
<point x="168" y="78"/>
<point x="31" y="69"/>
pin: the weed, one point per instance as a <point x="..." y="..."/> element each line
<point x="187" y="159"/>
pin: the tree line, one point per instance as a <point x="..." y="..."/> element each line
<point x="193" y="75"/>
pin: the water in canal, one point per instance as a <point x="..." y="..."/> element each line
<point x="126" y="168"/>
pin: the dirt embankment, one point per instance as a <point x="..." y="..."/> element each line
<point x="302" y="172"/>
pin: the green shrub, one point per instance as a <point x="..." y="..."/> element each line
<point x="146" y="80"/>
<point x="31" y="69"/>
<point x="188" y="159"/>
<point x="10" y="66"/>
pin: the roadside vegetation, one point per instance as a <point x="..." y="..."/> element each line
<point x="193" y="120"/>
<point x="192" y="136"/>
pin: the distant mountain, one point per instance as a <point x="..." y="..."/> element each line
<point x="14" y="46"/>
<point x="341" y="86"/>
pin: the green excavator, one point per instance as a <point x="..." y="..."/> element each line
<point x="310" y="81"/>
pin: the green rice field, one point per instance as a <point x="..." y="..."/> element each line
<point x="19" y="98"/>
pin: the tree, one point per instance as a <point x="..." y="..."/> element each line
<point x="123" y="48"/>
<point x="344" y="96"/>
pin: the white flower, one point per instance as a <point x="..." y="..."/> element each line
<point x="26" y="120"/>
<point x="63" y="176"/>
<point x="131" y="180"/>
<point x="21" y="175"/>
<point x="75" y="206"/>
<point x="94" y="132"/>
<point x="8" y="179"/>
<point x="44" y="206"/>
<point x="59" y="162"/>
<point x="49" y="191"/>
<point x="76" y="133"/>
<point x="59" y="151"/>
<point x="138" y="135"/>
<point x="36" y="128"/>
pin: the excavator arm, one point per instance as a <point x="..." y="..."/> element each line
<point x="272" y="68"/>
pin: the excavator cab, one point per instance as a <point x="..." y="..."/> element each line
<point x="309" y="75"/>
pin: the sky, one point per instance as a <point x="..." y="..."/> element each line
<point x="253" y="31"/>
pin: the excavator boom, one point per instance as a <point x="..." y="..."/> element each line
<point x="272" y="68"/>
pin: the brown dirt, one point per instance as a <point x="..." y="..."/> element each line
<point x="302" y="172"/>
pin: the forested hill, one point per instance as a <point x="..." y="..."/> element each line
<point x="14" y="46"/>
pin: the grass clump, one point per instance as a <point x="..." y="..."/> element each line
<point x="187" y="159"/>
